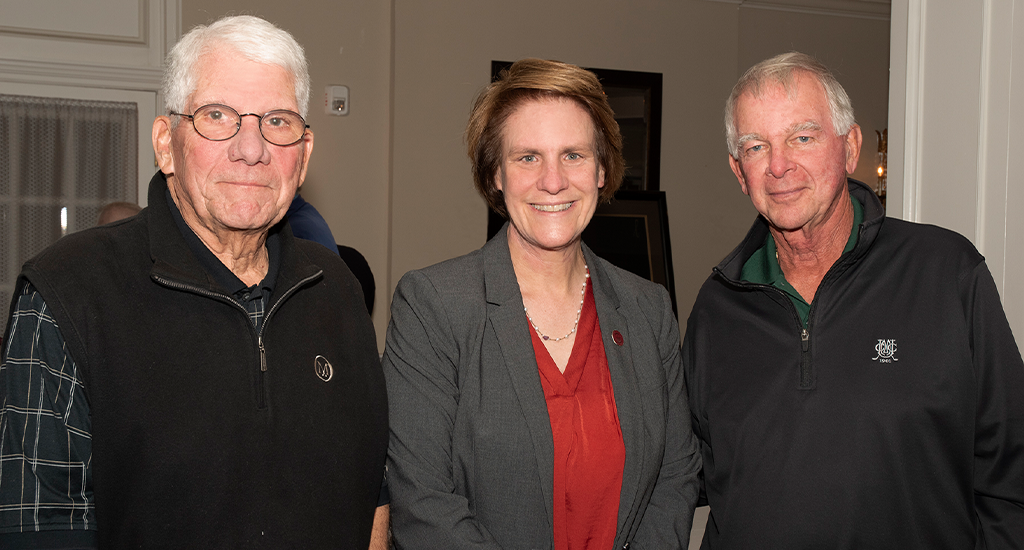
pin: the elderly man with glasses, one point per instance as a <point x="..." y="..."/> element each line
<point x="196" y="377"/>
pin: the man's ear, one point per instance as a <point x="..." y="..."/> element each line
<point x="854" y="140"/>
<point x="738" y="170"/>
<point x="307" y="150"/>
<point x="162" y="144"/>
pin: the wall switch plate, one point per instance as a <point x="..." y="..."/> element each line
<point x="336" y="102"/>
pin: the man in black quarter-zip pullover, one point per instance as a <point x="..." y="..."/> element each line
<point x="195" y="376"/>
<point x="852" y="379"/>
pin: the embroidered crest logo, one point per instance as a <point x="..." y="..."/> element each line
<point x="885" y="350"/>
<point x="323" y="368"/>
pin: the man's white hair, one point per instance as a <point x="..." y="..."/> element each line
<point x="782" y="69"/>
<point x="253" y="38"/>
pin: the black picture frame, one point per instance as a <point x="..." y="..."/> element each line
<point x="632" y="232"/>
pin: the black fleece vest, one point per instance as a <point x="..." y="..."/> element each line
<point x="199" y="440"/>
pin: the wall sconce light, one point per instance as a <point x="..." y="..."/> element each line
<point x="883" y="145"/>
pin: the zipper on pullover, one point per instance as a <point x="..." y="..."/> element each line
<point x="806" y="375"/>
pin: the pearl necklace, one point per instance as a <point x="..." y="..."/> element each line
<point x="579" y="311"/>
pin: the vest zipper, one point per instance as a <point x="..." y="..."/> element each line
<point x="261" y="390"/>
<point x="259" y="336"/>
<point x="263" y="354"/>
<point x="261" y="386"/>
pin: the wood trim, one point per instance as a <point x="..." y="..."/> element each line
<point x="861" y="9"/>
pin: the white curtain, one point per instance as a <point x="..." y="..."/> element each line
<point x="61" y="161"/>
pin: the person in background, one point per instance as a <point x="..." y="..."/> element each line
<point x="195" y="376"/>
<point x="853" y="379"/>
<point x="115" y="211"/>
<point x="307" y="223"/>
<point x="535" y="392"/>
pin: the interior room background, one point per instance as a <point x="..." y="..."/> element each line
<point x="392" y="177"/>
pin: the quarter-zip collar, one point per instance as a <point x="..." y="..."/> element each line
<point x="731" y="267"/>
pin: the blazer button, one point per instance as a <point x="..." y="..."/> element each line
<point x="617" y="337"/>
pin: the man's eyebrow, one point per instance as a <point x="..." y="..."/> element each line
<point x="804" y="126"/>
<point x="753" y="136"/>
<point x="522" y="151"/>
<point x="798" y="127"/>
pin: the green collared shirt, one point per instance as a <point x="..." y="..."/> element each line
<point x="763" y="266"/>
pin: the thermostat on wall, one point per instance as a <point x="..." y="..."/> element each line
<point x="336" y="102"/>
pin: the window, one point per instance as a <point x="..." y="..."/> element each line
<point x="61" y="161"/>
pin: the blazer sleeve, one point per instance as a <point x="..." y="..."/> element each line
<point x="420" y="363"/>
<point x="669" y="516"/>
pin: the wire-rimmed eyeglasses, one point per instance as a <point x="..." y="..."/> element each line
<point x="217" y="122"/>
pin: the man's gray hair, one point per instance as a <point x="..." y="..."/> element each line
<point x="253" y="38"/>
<point x="781" y="69"/>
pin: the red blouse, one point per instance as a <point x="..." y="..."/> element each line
<point x="589" y="453"/>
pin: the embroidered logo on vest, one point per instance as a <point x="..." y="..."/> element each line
<point x="323" y="368"/>
<point x="885" y="350"/>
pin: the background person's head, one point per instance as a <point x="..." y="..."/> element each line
<point x="117" y="211"/>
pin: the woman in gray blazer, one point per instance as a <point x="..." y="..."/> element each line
<point x="536" y="396"/>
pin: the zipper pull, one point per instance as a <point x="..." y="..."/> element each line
<point x="263" y="355"/>
<point x="804" y="339"/>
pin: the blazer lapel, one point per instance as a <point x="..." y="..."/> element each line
<point x="507" y="320"/>
<point x="613" y="317"/>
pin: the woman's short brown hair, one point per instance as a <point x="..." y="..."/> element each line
<point x="532" y="79"/>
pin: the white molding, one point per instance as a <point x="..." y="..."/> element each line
<point x="995" y="140"/>
<point x="141" y="31"/>
<point x="171" y="30"/>
<point x="1011" y="20"/>
<point x="79" y="74"/>
<point x="897" y="107"/>
<point x="914" y="110"/>
<point x="158" y="27"/>
<point x="861" y="9"/>
<point x="169" y="35"/>
<point x="984" y="112"/>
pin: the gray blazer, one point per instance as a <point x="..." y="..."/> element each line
<point x="470" y="463"/>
